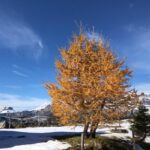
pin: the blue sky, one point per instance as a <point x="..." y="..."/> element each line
<point x="32" y="31"/>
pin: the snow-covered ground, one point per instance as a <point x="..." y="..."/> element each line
<point x="42" y="138"/>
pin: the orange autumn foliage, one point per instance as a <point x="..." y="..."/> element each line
<point x="91" y="82"/>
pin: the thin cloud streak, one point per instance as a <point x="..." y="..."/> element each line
<point x="16" y="66"/>
<point x="19" y="73"/>
<point x="16" y="36"/>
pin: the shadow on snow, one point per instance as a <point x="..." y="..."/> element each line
<point x="16" y="138"/>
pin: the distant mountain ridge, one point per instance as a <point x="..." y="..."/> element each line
<point x="40" y="116"/>
<point x="45" y="108"/>
<point x="5" y="109"/>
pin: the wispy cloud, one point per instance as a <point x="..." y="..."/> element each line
<point x="94" y="36"/>
<point x="19" y="73"/>
<point x="138" y="46"/>
<point x="16" y="66"/>
<point x="17" y="36"/>
<point x="19" y="102"/>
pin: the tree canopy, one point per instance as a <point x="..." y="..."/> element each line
<point x="91" y="82"/>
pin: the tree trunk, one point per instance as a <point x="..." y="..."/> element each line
<point x="133" y="141"/>
<point x="85" y="133"/>
<point x="119" y="122"/>
<point x="93" y="130"/>
<point x="86" y="126"/>
<point x="82" y="141"/>
<point x="143" y="138"/>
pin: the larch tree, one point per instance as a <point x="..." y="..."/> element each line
<point x="91" y="83"/>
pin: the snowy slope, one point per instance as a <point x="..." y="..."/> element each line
<point x="50" y="145"/>
<point x="41" y="138"/>
<point x="43" y="106"/>
<point x="1" y="108"/>
<point x="146" y="101"/>
<point x="4" y="110"/>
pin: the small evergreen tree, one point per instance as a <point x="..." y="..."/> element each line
<point x="140" y="124"/>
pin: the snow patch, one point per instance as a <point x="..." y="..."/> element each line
<point x="4" y="110"/>
<point x="50" y="145"/>
<point x="43" y="106"/>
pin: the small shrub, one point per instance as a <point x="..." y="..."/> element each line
<point x="99" y="143"/>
